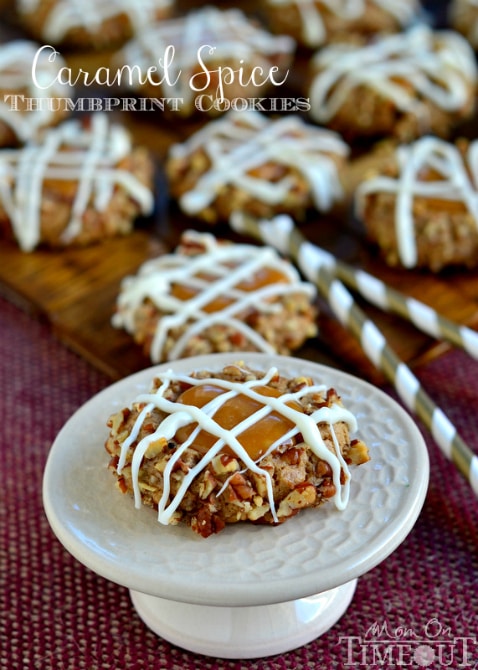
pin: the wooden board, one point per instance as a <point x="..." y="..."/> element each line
<point x="75" y="289"/>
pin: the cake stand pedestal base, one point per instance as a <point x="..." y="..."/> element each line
<point x="244" y="632"/>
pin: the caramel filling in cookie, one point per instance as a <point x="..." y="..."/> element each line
<point x="263" y="277"/>
<point x="439" y="204"/>
<point x="256" y="439"/>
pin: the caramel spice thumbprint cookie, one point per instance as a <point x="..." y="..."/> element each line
<point x="421" y="208"/>
<point x="236" y="445"/>
<point x="402" y="86"/>
<point x="31" y="98"/>
<point x="89" y="24"/>
<point x="81" y="184"/>
<point x="262" y="166"/>
<point x="314" y="23"/>
<point x="211" y="296"/>
<point x="213" y="56"/>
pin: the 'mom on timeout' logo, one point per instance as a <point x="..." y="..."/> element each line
<point x="432" y="646"/>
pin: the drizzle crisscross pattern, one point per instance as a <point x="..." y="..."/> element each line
<point x="240" y="143"/>
<point x="226" y="266"/>
<point x="411" y="70"/>
<point x="180" y="415"/>
<point x="455" y="179"/>
<point x="87" y="155"/>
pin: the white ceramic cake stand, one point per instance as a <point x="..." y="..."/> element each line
<point x="250" y="591"/>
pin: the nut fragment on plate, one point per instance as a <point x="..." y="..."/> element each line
<point x="89" y="24"/>
<point x="421" y="206"/>
<point x="31" y="97"/>
<point x="404" y="85"/>
<point x="313" y="23"/>
<point x="80" y="184"/>
<point x="213" y="57"/>
<point x="212" y="296"/>
<point x="214" y="448"/>
<point x="261" y="166"/>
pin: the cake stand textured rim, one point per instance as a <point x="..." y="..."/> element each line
<point x="80" y="520"/>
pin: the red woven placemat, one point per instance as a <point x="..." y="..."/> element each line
<point x="414" y="609"/>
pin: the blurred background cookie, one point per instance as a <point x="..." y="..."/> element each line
<point x="404" y="85"/>
<point x="81" y="184"/>
<point x="421" y="208"/>
<point x="314" y="23"/>
<point x="212" y="56"/>
<point x="29" y="104"/>
<point x="258" y="165"/>
<point x="215" y="296"/>
<point x="86" y="24"/>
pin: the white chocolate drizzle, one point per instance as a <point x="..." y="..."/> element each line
<point x="70" y="152"/>
<point x="16" y="60"/>
<point x="456" y="180"/>
<point x="437" y="66"/>
<point x="218" y="34"/>
<point x="90" y="14"/>
<point x="241" y="141"/>
<point x="226" y="266"/>
<point x="314" y="32"/>
<point x="180" y="415"/>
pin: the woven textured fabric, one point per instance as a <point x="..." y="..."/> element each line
<point x="57" y="614"/>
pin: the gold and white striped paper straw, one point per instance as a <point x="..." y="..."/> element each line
<point x="372" y="341"/>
